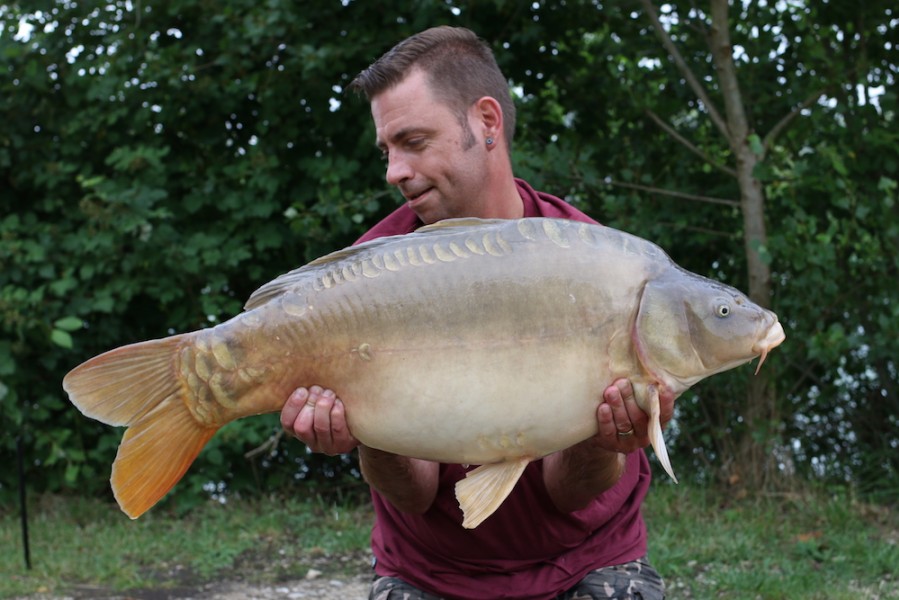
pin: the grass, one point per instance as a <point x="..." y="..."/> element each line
<point x="705" y="544"/>
<point x="810" y="546"/>
<point x="77" y="544"/>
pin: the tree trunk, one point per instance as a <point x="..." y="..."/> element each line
<point x="761" y="414"/>
<point x="754" y="460"/>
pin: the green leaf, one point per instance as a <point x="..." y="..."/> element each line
<point x="755" y="144"/>
<point x="61" y="287"/>
<point x="7" y="362"/>
<point x="71" y="474"/>
<point x="61" y="338"/>
<point x="69" y="324"/>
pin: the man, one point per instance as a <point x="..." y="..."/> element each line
<point x="572" y="526"/>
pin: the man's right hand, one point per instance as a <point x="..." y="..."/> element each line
<point x="317" y="417"/>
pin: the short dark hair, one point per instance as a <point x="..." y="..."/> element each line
<point x="459" y="65"/>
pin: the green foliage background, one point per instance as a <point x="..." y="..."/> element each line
<point x="159" y="161"/>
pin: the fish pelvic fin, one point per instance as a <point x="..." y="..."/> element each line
<point x="655" y="432"/>
<point x="138" y="386"/>
<point x="484" y="489"/>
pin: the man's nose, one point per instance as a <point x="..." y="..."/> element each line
<point x="398" y="170"/>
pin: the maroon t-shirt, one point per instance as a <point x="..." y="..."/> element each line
<point x="527" y="548"/>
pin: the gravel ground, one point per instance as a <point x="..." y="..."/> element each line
<point x="347" y="588"/>
<point x="350" y="589"/>
<point x="347" y="577"/>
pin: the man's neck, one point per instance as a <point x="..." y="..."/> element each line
<point x="506" y="203"/>
<point x="504" y="200"/>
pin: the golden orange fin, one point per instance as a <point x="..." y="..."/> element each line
<point x="120" y="386"/>
<point x="485" y="488"/>
<point x="138" y="386"/>
<point x="154" y="454"/>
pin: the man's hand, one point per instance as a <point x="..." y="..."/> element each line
<point x="623" y="426"/>
<point x="576" y="475"/>
<point x="318" y="418"/>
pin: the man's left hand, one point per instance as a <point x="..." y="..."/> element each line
<point x="623" y="426"/>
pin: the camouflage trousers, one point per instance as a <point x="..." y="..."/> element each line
<point x="636" y="580"/>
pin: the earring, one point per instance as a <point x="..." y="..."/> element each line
<point x="490" y="141"/>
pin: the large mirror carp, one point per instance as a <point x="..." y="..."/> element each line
<point x="471" y="342"/>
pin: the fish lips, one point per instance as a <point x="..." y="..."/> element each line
<point x="774" y="337"/>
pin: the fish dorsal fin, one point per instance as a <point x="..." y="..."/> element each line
<point x="290" y="280"/>
<point x="485" y="488"/>
<point x="461" y="222"/>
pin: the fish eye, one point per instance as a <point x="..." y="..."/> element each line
<point x="723" y="310"/>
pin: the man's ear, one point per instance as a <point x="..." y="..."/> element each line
<point x="489" y="116"/>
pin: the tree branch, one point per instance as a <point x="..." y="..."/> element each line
<point x="722" y="56"/>
<point x="689" y="145"/>
<point x="789" y="118"/>
<point x="685" y="70"/>
<point x="267" y="447"/>
<point x="683" y="195"/>
<point x="695" y="229"/>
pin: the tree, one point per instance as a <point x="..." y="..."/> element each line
<point x="160" y="162"/>
<point x="749" y="144"/>
<point x="787" y="76"/>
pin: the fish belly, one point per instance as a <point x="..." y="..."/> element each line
<point x="470" y="361"/>
<point x="475" y="406"/>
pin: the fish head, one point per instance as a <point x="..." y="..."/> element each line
<point x="689" y="327"/>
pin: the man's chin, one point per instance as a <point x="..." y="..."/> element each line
<point x="425" y="208"/>
<point x="424" y="215"/>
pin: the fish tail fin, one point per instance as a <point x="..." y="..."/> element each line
<point x="655" y="432"/>
<point x="138" y="386"/>
<point x="154" y="455"/>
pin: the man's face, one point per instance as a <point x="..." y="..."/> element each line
<point x="438" y="163"/>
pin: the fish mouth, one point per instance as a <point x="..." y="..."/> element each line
<point x="773" y="338"/>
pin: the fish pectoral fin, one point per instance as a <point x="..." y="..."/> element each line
<point x="485" y="488"/>
<point x="655" y="432"/>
